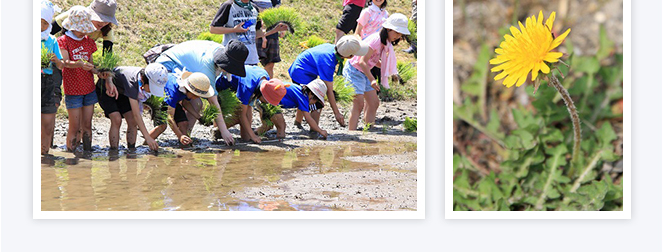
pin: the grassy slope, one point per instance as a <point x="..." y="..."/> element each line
<point x="145" y="23"/>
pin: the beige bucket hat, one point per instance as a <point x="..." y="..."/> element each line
<point x="79" y="20"/>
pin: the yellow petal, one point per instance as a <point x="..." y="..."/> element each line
<point x="514" y="31"/>
<point x="521" y="80"/>
<point x="535" y="71"/>
<point x="499" y="50"/>
<point x="550" y="21"/>
<point x="540" y="19"/>
<point x="552" y="56"/>
<point x="544" y="68"/>
<point x="559" y="39"/>
<point x="500" y="76"/>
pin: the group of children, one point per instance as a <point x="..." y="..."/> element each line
<point x="189" y="71"/>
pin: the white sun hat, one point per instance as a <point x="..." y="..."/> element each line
<point x="398" y="23"/>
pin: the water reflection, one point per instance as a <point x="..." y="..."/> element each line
<point x="187" y="180"/>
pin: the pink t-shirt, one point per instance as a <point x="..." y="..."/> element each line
<point x="371" y="19"/>
<point x="77" y="81"/>
<point x="378" y="48"/>
<point x="359" y="3"/>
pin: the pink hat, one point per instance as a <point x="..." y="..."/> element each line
<point x="273" y="90"/>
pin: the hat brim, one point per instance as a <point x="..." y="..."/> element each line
<point x="183" y="82"/>
<point x="86" y="28"/>
<point x="228" y="64"/>
<point x="399" y="29"/>
<point x="155" y="89"/>
<point x="101" y="17"/>
<point x="267" y="97"/>
<point x="363" y="49"/>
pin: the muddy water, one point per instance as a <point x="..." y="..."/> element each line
<point x="311" y="178"/>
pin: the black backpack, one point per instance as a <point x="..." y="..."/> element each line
<point x="151" y="55"/>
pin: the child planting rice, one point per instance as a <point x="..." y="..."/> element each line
<point x="256" y="85"/>
<point x="320" y="62"/>
<point x="78" y="80"/>
<point x="49" y="79"/>
<point x="276" y="20"/>
<point x="178" y="92"/>
<point x="210" y="59"/>
<point x="358" y="71"/>
<point x="370" y="21"/>
<point x="135" y="85"/>
<point x="301" y="98"/>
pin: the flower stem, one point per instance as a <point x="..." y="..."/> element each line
<point x="574" y="119"/>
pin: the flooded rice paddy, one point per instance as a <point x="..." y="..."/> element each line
<point x="347" y="176"/>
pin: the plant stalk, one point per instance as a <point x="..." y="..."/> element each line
<point x="575" y="119"/>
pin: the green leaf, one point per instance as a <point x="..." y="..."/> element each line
<point x="606" y="47"/>
<point x="606" y="134"/>
<point x="586" y="64"/>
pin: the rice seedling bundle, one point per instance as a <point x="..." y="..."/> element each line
<point x="406" y="71"/>
<point x="273" y="16"/>
<point x="218" y="38"/>
<point x="343" y="91"/>
<point x="410" y="124"/>
<point x="45" y="56"/>
<point x="312" y="41"/>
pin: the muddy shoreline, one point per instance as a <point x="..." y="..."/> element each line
<point x="373" y="169"/>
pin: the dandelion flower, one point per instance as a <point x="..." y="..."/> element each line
<point x="527" y="49"/>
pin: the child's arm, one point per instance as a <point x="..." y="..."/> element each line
<point x="358" y="29"/>
<point x="227" y="137"/>
<point x="225" y="30"/>
<point x="363" y="64"/>
<point x="184" y="139"/>
<point x="135" y="111"/>
<point x="313" y="124"/>
<point x="332" y="102"/>
<point x="189" y="109"/>
<point x="74" y="64"/>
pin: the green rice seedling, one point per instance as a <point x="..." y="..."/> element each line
<point x="45" y="56"/>
<point x="273" y="16"/>
<point x="218" y="38"/>
<point x="268" y="111"/>
<point x="406" y="71"/>
<point x="343" y="92"/>
<point x="312" y="41"/>
<point x="410" y="124"/>
<point x="158" y="115"/>
<point x="208" y="115"/>
<point x="107" y="62"/>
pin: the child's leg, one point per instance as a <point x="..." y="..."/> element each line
<point x="184" y="127"/>
<point x="372" y="104"/>
<point x="132" y="130"/>
<point x="298" y="117"/>
<point x="269" y="67"/>
<point x="197" y="104"/>
<point x="47" y="128"/>
<point x="244" y="133"/>
<point x="114" y="131"/>
<point x="86" y="126"/>
<point x="74" y="127"/>
<point x="357" y="106"/>
<point x="316" y="115"/>
<point x="154" y="133"/>
<point x="279" y="122"/>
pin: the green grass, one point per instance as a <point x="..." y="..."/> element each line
<point x="218" y="38"/>
<point x="273" y="16"/>
<point x="406" y="71"/>
<point x="343" y="93"/>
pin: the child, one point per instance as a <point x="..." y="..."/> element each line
<point x="358" y="72"/>
<point x="256" y="85"/>
<point x="177" y="93"/>
<point x="370" y="21"/>
<point x="301" y="97"/>
<point x="229" y="21"/>
<point x="48" y="80"/>
<point x="348" y="21"/>
<point x="78" y="80"/>
<point x="320" y="62"/>
<point x="268" y="46"/>
<point x="135" y="86"/>
<point x="102" y="14"/>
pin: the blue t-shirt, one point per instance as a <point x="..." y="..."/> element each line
<point x="194" y="55"/>
<point x="317" y="61"/>
<point x="244" y="86"/>
<point x="294" y="98"/>
<point x="51" y="44"/>
<point x="172" y="94"/>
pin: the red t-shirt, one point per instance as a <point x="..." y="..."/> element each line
<point x="359" y="3"/>
<point x="77" y="81"/>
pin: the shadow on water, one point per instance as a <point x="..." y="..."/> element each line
<point x="204" y="179"/>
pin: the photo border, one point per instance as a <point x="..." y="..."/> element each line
<point x="449" y="213"/>
<point x="421" y="158"/>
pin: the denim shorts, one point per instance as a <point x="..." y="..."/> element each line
<point x="357" y="79"/>
<point x="77" y="101"/>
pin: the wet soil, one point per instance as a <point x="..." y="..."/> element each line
<point x="362" y="170"/>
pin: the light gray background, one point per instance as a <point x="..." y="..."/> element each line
<point x="642" y="233"/>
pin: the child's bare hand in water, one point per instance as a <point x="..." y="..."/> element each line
<point x="340" y="119"/>
<point x="152" y="144"/>
<point x="184" y="139"/>
<point x="323" y="133"/>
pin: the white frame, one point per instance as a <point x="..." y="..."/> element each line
<point x="421" y="158"/>
<point x="449" y="213"/>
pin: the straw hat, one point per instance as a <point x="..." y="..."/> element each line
<point x="273" y="90"/>
<point x="197" y="83"/>
<point x="103" y="11"/>
<point x="318" y="88"/>
<point x="398" y="23"/>
<point x="79" y="20"/>
<point x="351" y="45"/>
